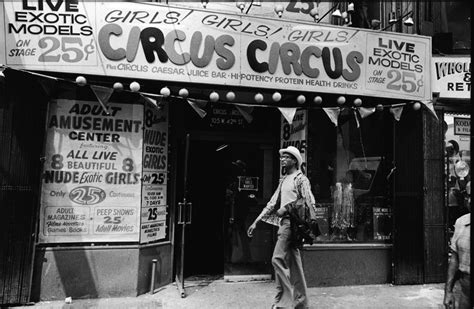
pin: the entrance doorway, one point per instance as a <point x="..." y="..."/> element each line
<point x="228" y="185"/>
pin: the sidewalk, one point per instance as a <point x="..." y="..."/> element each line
<point x="216" y="294"/>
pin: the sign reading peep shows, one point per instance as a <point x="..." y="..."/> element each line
<point x="154" y="41"/>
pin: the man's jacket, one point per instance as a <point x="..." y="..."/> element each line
<point x="305" y="199"/>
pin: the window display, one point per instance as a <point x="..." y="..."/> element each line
<point x="458" y="163"/>
<point x="350" y="169"/>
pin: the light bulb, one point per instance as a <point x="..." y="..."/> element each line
<point x="214" y="96"/>
<point x="276" y="96"/>
<point x="318" y="100"/>
<point x="301" y="99"/>
<point x="183" y="92"/>
<point x="341" y="100"/>
<point x="118" y="86"/>
<point x="279" y="10"/>
<point x="165" y="91"/>
<point x="134" y="86"/>
<point x="230" y="96"/>
<point x="81" y="80"/>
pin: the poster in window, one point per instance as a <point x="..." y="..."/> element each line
<point x="322" y="217"/>
<point x="382" y="223"/>
<point x="295" y="134"/>
<point x="155" y="174"/>
<point x="91" y="173"/>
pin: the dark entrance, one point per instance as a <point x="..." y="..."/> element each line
<point x="228" y="185"/>
<point x="22" y="115"/>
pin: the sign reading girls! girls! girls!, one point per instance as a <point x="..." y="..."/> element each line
<point x="155" y="41"/>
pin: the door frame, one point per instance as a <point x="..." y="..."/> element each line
<point x="222" y="137"/>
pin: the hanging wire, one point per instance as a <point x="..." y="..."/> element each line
<point x="362" y="146"/>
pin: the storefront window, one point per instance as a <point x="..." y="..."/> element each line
<point x="452" y="26"/>
<point x="350" y="170"/>
<point x="457" y="166"/>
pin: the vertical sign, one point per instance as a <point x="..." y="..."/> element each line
<point x="91" y="173"/>
<point x="155" y="174"/>
<point x="295" y="134"/>
<point x="382" y="223"/>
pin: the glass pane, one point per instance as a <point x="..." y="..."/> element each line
<point x="458" y="163"/>
<point x="244" y="199"/>
<point x="350" y="175"/>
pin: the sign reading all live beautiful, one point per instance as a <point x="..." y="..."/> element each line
<point x="160" y="42"/>
<point x="452" y="77"/>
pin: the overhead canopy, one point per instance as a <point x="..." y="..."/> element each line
<point x="161" y="42"/>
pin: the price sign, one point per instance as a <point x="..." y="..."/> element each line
<point x="394" y="65"/>
<point x="49" y="34"/>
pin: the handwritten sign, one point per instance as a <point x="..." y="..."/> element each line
<point x="247" y="183"/>
<point x="322" y="217"/>
<point x="91" y="173"/>
<point x="183" y="44"/>
<point x="382" y="223"/>
<point x="155" y="174"/>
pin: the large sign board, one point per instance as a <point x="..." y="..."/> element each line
<point x="452" y="77"/>
<point x="91" y="173"/>
<point x="155" y="41"/>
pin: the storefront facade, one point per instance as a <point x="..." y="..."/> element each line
<point x="451" y="84"/>
<point x="134" y="184"/>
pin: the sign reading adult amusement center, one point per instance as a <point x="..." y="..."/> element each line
<point x="154" y="41"/>
<point x="91" y="182"/>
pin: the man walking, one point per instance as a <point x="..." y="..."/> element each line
<point x="294" y="189"/>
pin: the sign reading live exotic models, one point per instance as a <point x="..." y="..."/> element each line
<point x="295" y="135"/>
<point x="155" y="41"/>
<point x="155" y="174"/>
<point x="91" y="174"/>
<point x="452" y="77"/>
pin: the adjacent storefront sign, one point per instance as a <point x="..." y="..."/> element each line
<point x="161" y="42"/>
<point x="452" y="77"/>
<point x="462" y="126"/>
<point x="295" y="135"/>
<point x="91" y="173"/>
<point x="155" y="174"/>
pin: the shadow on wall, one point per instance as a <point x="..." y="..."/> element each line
<point x="61" y="274"/>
